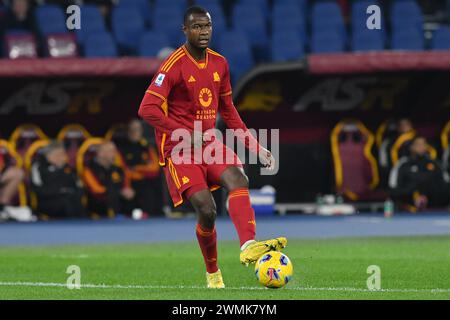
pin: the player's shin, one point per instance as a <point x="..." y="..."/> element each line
<point x="207" y="240"/>
<point x="242" y="214"/>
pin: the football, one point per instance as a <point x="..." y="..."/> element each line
<point x="274" y="269"/>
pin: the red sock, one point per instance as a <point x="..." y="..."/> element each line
<point x="242" y="214"/>
<point x="207" y="239"/>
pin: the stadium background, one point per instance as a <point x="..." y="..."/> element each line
<point x="300" y="66"/>
<point x="305" y="76"/>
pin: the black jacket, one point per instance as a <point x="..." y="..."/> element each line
<point x="48" y="180"/>
<point x="417" y="174"/>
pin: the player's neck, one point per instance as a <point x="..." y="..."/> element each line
<point x="198" y="54"/>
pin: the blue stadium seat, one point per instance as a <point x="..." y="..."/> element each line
<point x="251" y="20"/>
<point x="303" y="4"/>
<point x="326" y="17"/>
<point x="128" y="26"/>
<point x="92" y="21"/>
<point x="441" y="39"/>
<point x="406" y="14"/>
<point x="169" y="22"/>
<point x="367" y="40"/>
<point x="151" y="42"/>
<point x="169" y="4"/>
<point x="359" y="21"/>
<point x="50" y="19"/>
<point x="288" y="16"/>
<point x="142" y="5"/>
<point x="287" y="46"/>
<point x="327" y="42"/>
<point x="206" y="3"/>
<point x="100" y="45"/>
<point x="407" y="39"/>
<point x="359" y="12"/>
<point x="235" y="46"/>
<point x="261" y="4"/>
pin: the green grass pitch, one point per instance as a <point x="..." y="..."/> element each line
<point x="411" y="268"/>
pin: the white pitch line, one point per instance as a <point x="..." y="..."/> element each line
<point x="120" y="286"/>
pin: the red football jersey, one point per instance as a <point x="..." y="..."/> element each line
<point x="185" y="90"/>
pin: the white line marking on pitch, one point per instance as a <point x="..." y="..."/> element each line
<point x="120" y="286"/>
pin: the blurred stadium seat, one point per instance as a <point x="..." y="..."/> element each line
<point x="327" y="42"/>
<point x="251" y="20"/>
<point x="86" y="152"/>
<point x="262" y="4"/>
<point x="406" y="14"/>
<point x="288" y="17"/>
<point x="24" y="135"/>
<point x="93" y="22"/>
<point x="366" y="40"/>
<point x="441" y="39"/>
<point x="22" y="45"/>
<point x="327" y="17"/>
<point x="61" y="45"/>
<point x="73" y="135"/>
<point x="116" y="132"/>
<point x="169" y="4"/>
<point x="50" y="19"/>
<point x="143" y="6"/>
<point x="287" y="45"/>
<point x="151" y="42"/>
<point x="407" y="39"/>
<point x="33" y="153"/>
<point x="168" y="20"/>
<point x="355" y="167"/>
<point x="100" y="45"/>
<point x="236" y="47"/>
<point x="206" y="3"/>
<point x="128" y="26"/>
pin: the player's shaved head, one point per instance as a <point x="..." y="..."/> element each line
<point x="188" y="15"/>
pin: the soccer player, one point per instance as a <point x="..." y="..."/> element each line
<point x="193" y="84"/>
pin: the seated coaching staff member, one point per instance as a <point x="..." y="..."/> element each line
<point x="141" y="161"/>
<point x="419" y="181"/>
<point x="107" y="185"/>
<point x="56" y="185"/>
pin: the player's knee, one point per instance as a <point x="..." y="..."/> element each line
<point x="238" y="180"/>
<point x="208" y="211"/>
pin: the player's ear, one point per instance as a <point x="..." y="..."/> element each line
<point x="184" y="29"/>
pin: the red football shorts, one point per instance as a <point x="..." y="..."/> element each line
<point x="185" y="179"/>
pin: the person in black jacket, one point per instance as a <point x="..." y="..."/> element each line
<point x="141" y="164"/>
<point x="109" y="190"/>
<point x="55" y="184"/>
<point x="418" y="181"/>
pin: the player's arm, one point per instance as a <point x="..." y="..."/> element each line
<point x="233" y="120"/>
<point x="154" y="108"/>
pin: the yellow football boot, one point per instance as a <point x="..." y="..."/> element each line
<point x="215" y="280"/>
<point x="256" y="249"/>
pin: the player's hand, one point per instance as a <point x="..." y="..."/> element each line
<point x="127" y="193"/>
<point x="266" y="158"/>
